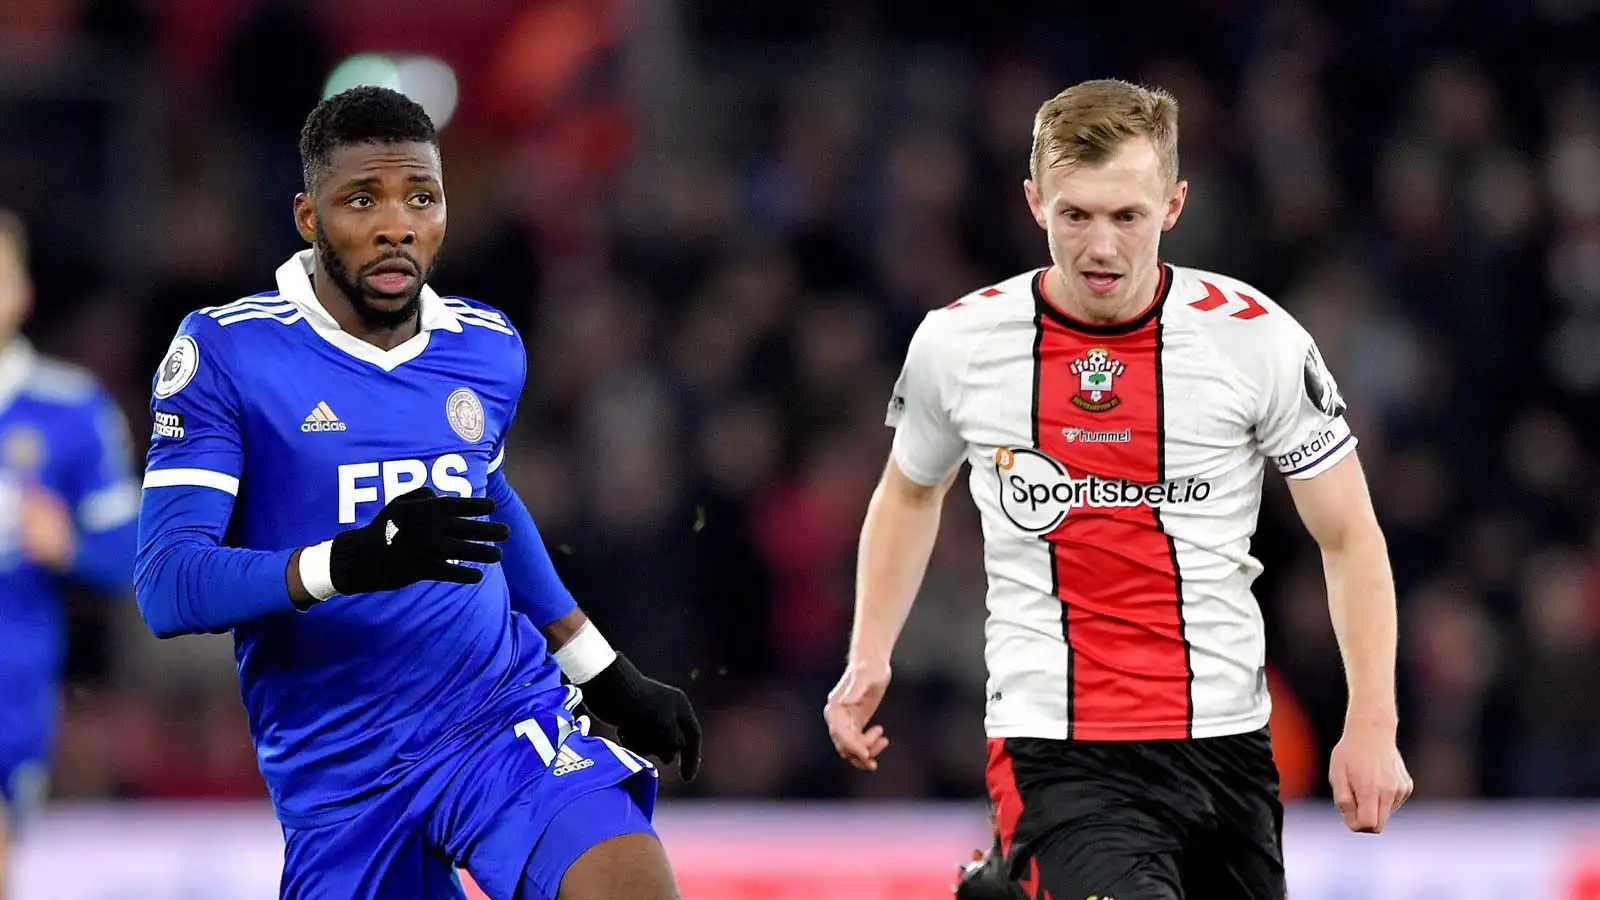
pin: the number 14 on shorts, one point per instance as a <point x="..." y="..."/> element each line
<point x="561" y="758"/>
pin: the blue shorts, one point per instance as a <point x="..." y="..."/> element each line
<point x="515" y="807"/>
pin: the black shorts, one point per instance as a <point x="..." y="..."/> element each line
<point x="1140" y="820"/>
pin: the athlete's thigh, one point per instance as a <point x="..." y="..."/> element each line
<point x="597" y="847"/>
<point x="1248" y="863"/>
<point x="509" y="784"/>
<point x="1242" y="856"/>
<point x="1083" y="819"/>
<point x="1109" y="857"/>
<point x="381" y="854"/>
<point x="1235" y="869"/>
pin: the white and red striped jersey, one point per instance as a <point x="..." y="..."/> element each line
<point x="1117" y="470"/>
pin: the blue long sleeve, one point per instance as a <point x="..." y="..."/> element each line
<point x="185" y="581"/>
<point x="536" y="589"/>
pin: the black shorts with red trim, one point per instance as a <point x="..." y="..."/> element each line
<point x="1140" y="820"/>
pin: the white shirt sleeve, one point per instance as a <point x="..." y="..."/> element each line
<point x="1302" y="427"/>
<point x="927" y="444"/>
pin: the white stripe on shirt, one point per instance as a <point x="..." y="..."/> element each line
<point x="191" y="478"/>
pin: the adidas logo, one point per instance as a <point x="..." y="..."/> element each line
<point x="322" y="419"/>
<point x="568" y="761"/>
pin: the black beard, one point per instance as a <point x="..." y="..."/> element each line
<point x="372" y="316"/>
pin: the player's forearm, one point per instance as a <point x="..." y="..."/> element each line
<point x="536" y="589"/>
<point x="578" y="647"/>
<point x="186" y="582"/>
<point x="189" y="587"/>
<point x="1361" y="602"/>
<point x="558" y="633"/>
<point x="897" y="538"/>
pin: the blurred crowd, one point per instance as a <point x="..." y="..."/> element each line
<point x="717" y="224"/>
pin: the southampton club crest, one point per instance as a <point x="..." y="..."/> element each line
<point x="1097" y="380"/>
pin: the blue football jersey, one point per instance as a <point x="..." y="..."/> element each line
<point x="59" y="432"/>
<point x="274" y="430"/>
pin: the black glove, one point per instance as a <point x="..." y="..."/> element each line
<point x="417" y="536"/>
<point x="985" y="878"/>
<point x="651" y="718"/>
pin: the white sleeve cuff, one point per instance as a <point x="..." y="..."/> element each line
<point x="316" y="571"/>
<point x="586" y="655"/>
<point x="1327" y="444"/>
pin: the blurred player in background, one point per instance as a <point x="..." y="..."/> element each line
<point x="68" y="503"/>
<point x="324" y="459"/>
<point x="1117" y="412"/>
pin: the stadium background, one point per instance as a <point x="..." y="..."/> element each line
<point x="717" y="223"/>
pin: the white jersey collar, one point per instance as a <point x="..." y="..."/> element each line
<point x="294" y="285"/>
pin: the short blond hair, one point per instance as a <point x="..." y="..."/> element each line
<point x="1086" y="123"/>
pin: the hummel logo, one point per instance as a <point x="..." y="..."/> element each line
<point x="390" y="529"/>
<point x="568" y="760"/>
<point x="322" y="419"/>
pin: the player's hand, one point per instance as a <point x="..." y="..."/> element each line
<point x="418" y="536"/>
<point x="1368" y="777"/>
<point x="46" y="531"/>
<point x="651" y="718"/>
<point x="851" y="705"/>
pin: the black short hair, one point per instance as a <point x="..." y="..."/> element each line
<point x="360" y="115"/>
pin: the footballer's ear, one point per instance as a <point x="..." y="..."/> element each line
<point x="1180" y="193"/>
<point x="305" y="217"/>
<point x="1035" y="203"/>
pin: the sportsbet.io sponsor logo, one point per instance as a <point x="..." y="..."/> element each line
<point x="1037" y="492"/>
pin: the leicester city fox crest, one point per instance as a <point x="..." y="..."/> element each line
<point x="465" y="413"/>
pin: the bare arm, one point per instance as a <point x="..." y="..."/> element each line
<point x="579" y="648"/>
<point x="1368" y="776"/>
<point x="1337" y="510"/>
<point x="899" y="530"/>
<point x="557" y="633"/>
<point x="298" y="594"/>
<point x="897" y="538"/>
